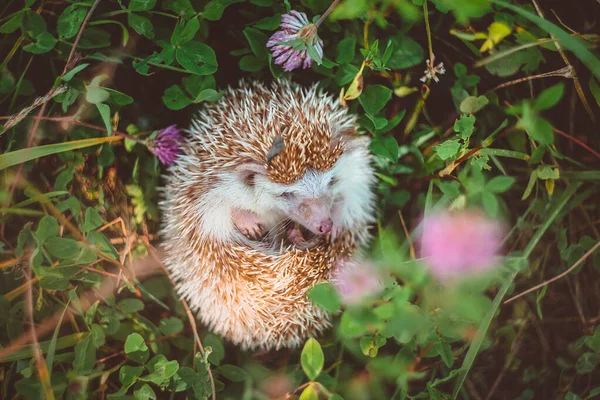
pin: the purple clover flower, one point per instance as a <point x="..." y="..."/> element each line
<point x="356" y="281"/>
<point x="295" y="27"/>
<point x="167" y="144"/>
<point x="460" y="243"/>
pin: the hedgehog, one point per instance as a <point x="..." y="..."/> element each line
<point x="229" y="190"/>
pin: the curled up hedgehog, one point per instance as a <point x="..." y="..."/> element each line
<point x="273" y="191"/>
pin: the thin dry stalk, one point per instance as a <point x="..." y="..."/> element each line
<point x="408" y="238"/>
<point x="562" y="275"/>
<point x="144" y="268"/>
<point x="565" y="72"/>
<point x="575" y="78"/>
<point x="158" y="259"/>
<point x="40" y="363"/>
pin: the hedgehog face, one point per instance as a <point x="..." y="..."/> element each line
<point x="308" y="201"/>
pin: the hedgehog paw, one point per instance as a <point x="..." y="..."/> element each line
<point x="248" y="223"/>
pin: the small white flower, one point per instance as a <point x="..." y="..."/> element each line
<point x="432" y="71"/>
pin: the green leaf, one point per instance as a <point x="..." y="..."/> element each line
<point x="490" y="203"/>
<point x="314" y="54"/>
<point x="136" y="349"/>
<point x="161" y="370"/>
<point x="325" y="295"/>
<point x="374" y="98"/>
<point x="251" y="63"/>
<point x="537" y="127"/>
<point x="595" y="89"/>
<point x="258" y="41"/>
<point x="97" y="333"/>
<point x="349" y="9"/>
<point x="233" y="373"/>
<point x="47" y="228"/>
<point x="213" y="10"/>
<point x="499" y="184"/>
<point x="12" y="24"/>
<point x="197" y="58"/>
<point x="62" y="248"/>
<point x="218" y="351"/>
<point x="406" y="53"/>
<point x="549" y="97"/>
<point x="532" y="179"/>
<point x="69" y="75"/>
<point x="184" y="32"/>
<point x="587" y="363"/>
<point x="268" y="23"/>
<point x="92" y="220"/>
<point x="208" y="95"/>
<point x="7" y="81"/>
<point x="85" y="355"/>
<point x="129" y="374"/>
<point x="175" y="98"/>
<point x="369" y="345"/>
<point x="345" y="74"/>
<point x="120" y="98"/>
<point x="312" y="359"/>
<point x="44" y="43"/>
<point x="472" y="104"/>
<point x="135" y="342"/>
<point x="385" y="146"/>
<point x="104" y="110"/>
<point x="141" y="25"/>
<point x="310" y="393"/>
<point x="70" y="21"/>
<point x="171" y="326"/>
<point x="141" y="5"/>
<point x="445" y="351"/>
<point x="130" y="306"/>
<point x="33" y="24"/>
<point x="465" y="125"/>
<point x="144" y="392"/>
<point x="447" y="149"/>
<point x="96" y="95"/>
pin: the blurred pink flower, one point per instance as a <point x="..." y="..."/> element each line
<point x="290" y="45"/>
<point x="459" y="243"/>
<point x="355" y="281"/>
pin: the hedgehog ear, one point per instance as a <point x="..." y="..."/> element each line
<point x="247" y="172"/>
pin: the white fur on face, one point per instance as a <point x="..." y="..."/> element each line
<point x="346" y="188"/>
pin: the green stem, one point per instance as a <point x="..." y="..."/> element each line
<point x="426" y="15"/>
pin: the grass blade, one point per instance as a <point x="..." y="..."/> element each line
<point x="52" y="346"/>
<point x="39" y="197"/>
<point x="24" y="155"/>
<point x="566" y="40"/>
<point x="61" y="343"/>
<point x="487" y="320"/>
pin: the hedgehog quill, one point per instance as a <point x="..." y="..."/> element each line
<point x="236" y="190"/>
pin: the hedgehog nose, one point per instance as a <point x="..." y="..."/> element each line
<point x="325" y="226"/>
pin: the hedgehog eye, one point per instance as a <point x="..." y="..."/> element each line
<point x="287" y="195"/>
<point x="333" y="182"/>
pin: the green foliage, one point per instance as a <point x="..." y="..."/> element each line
<point x="508" y="129"/>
